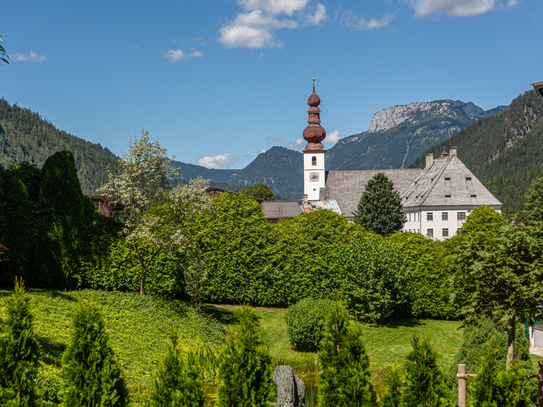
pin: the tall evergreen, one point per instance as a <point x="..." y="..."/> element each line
<point x="19" y="351"/>
<point x="246" y="371"/>
<point x="61" y="230"/>
<point x="534" y="200"/>
<point x="91" y="373"/>
<point x="425" y="378"/>
<point x="346" y="379"/>
<point x="177" y="382"/>
<point x="380" y="207"/>
<point x="393" y="385"/>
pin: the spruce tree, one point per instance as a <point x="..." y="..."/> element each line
<point x="91" y="374"/>
<point x="393" y="385"/>
<point x="380" y="207"/>
<point x="534" y="201"/>
<point x="425" y="379"/>
<point x="246" y="371"/>
<point x="484" y="389"/>
<point x="19" y="351"/>
<point x="345" y="380"/>
<point x="177" y="383"/>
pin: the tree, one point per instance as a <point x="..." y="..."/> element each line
<point x="246" y="370"/>
<point x="259" y="191"/>
<point x="380" y="207"/>
<point x="425" y="380"/>
<point x="393" y="385"/>
<point x="144" y="182"/>
<point x="483" y="218"/>
<point x="177" y="383"/>
<point x="91" y="373"/>
<point x="19" y="351"/>
<point x="534" y="201"/>
<point x="346" y="379"/>
<point x="501" y="273"/>
<point x="3" y="52"/>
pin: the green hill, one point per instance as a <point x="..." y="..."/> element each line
<point x="504" y="151"/>
<point x="26" y="136"/>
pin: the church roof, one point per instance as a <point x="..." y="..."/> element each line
<point x="447" y="182"/>
<point x="347" y="187"/>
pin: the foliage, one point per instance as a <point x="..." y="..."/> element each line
<point x="27" y="136"/>
<point x="177" y="383"/>
<point x="393" y="385"/>
<point x="3" y="53"/>
<point x="513" y="139"/>
<point x="259" y="191"/>
<point x="425" y="380"/>
<point x="345" y="379"/>
<point x="534" y="201"/>
<point x="428" y="277"/>
<point x="91" y="373"/>
<point x="380" y="207"/>
<point x="246" y="371"/>
<point x="61" y="231"/>
<point x="483" y="218"/>
<point x="195" y="277"/>
<point x="19" y="350"/>
<point x="375" y="284"/>
<point x="305" y="323"/>
<point x="501" y="273"/>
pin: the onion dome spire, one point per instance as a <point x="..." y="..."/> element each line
<point x="314" y="133"/>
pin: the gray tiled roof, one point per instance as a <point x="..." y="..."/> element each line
<point x="447" y="182"/>
<point x="281" y="209"/>
<point x="347" y="187"/>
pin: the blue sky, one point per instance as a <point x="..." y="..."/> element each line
<point x="218" y="81"/>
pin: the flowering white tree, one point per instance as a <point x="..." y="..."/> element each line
<point x="157" y="206"/>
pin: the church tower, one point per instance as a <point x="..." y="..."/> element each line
<point x="314" y="152"/>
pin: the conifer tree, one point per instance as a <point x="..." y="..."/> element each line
<point x="534" y="200"/>
<point x="19" y="351"/>
<point x="484" y="389"/>
<point x="393" y="385"/>
<point x="346" y="380"/>
<point x="246" y="371"/>
<point x="91" y="374"/>
<point x="425" y="379"/>
<point x="177" y="383"/>
<point x="380" y="207"/>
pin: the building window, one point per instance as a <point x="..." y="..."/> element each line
<point x="447" y="179"/>
<point x="458" y="230"/>
<point x="447" y="196"/>
<point x="409" y="217"/>
<point x="445" y="232"/>
<point x="474" y="196"/>
<point x="460" y="215"/>
<point x="444" y="215"/>
<point x="430" y="232"/>
<point x="314" y="160"/>
<point x="468" y="179"/>
<point x="430" y="216"/>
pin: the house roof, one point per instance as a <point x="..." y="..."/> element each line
<point x="347" y="187"/>
<point x="447" y="182"/>
<point x="290" y="209"/>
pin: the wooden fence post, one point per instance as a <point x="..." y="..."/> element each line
<point x="540" y="385"/>
<point x="462" y="385"/>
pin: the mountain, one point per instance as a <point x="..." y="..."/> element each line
<point x="505" y="151"/>
<point x="26" y="136"/>
<point x="399" y="134"/>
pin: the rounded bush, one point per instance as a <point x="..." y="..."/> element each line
<point x="305" y="323"/>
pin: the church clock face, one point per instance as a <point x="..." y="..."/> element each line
<point x="314" y="176"/>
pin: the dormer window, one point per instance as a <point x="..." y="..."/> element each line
<point x="314" y="160"/>
<point x="474" y="196"/>
<point x="468" y="179"/>
<point x="447" y="196"/>
<point x="447" y="179"/>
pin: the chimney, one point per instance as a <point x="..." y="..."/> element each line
<point x="429" y="160"/>
<point x="452" y="150"/>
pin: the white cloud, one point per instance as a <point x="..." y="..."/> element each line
<point x="178" y="54"/>
<point x="262" y="151"/>
<point x="459" y="8"/>
<point x="296" y="145"/>
<point x="332" y="137"/>
<point x="261" y="55"/>
<point x="137" y="46"/>
<point x="248" y="37"/>
<point x="32" y="57"/>
<point x="218" y="161"/>
<point x="274" y="7"/>
<point x="259" y="19"/>
<point x="275" y="139"/>
<point x="317" y="17"/>
<point x="351" y="20"/>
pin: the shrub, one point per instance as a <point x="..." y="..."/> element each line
<point x="91" y="374"/>
<point x="246" y="371"/>
<point x="177" y="383"/>
<point x="48" y="382"/>
<point x="374" y="286"/>
<point x="305" y="323"/>
<point x="346" y="379"/>
<point x="393" y="386"/>
<point x="19" y="349"/>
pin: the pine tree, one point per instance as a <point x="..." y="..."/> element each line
<point x="380" y="207"/>
<point x="91" y="374"/>
<point x="19" y="351"/>
<point x="393" y="385"/>
<point x="345" y="380"/>
<point x="425" y="379"/>
<point x="534" y="200"/>
<point x="177" y="383"/>
<point x="246" y="371"/>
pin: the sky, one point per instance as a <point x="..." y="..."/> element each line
<point x="220" y="81"/>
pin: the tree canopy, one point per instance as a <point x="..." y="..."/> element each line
<point x="534" y="200"/>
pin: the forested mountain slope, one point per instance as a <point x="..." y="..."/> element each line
<point x="26" y="136"/>
<point x="504" y="151"/>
